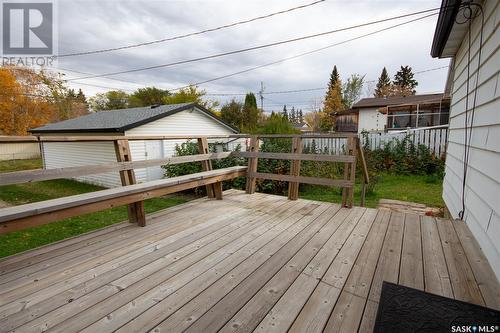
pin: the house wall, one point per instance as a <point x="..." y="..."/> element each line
<point x="371" y="120"/>
<point x="188" y="122"/>
<point x="19" y="151"/>
<point x="482" y="191"/>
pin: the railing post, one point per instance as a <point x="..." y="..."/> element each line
<point x="207" y="164"/>
<point x="353" y="145"/>
<point x="252" y="165"/>
<point x="293" y="187"/>
<point x="136" y="209"/>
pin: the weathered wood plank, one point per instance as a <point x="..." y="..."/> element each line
<point x="412" y="270"/>
<point x="295" y="156"/>
<point x="293" y="187"/>
<point x="437" y="278"/>
<point x="462" y="278"/>
<point x="347" y="314"/>
<point x="151" y="292"/>
<point x="28" y="176"/>
<point x="252" y="165"/>
<point x="281" y="249"/>
<point x="303" y="179"/>
<point x="206" y="165"/>
<point x="484" y="274"/>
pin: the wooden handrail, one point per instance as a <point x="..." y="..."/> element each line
<point x="28" y="176"/>
<point x="91" y="138"/>
<point x="297" y="157"/>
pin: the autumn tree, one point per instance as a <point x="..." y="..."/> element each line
<point x="313" y="119"/>
<point x="191" y="94"/>
<point x="26" y="99"/>
<point x="404" y="84"/>
<point x="110" y="100"/>
<point x="333" y="100"/>
<point x="383" y="88"/>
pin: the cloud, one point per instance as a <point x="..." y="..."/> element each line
<point x="90" y="25"/>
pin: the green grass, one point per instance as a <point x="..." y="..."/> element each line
<point x="17" y="165"/>
<point x="15" y="242"/>
<point x="415" y="188"/>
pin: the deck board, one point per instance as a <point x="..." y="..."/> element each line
<point x="247" y="263"/>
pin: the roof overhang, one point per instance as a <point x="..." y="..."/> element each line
<point x="449" y="34"/>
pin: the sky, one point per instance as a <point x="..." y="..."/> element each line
<point x="93" y="25"/>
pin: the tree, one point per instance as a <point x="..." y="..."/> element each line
<point x="250" y="113"/>
<point x="147" y="96"/>
<point x="110" y="100"/>
<point x="25" y="100"/>
<point x="293" y="116"/>
<point x="313" y="119"/>
<point x="351" y="90"/>
<point x="190" y="94"/>
<point x="333" y="100"/>
<point x="301" y="116"/>
<point x="285" y="113"/>
<point x="277" y="124"/>
<point x="404" y="83"/>
<point x="232" y="113"/>
<point x="383" y="88"/>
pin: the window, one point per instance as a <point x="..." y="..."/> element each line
<point x="418" y="115"/>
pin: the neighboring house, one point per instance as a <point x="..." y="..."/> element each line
<point x="482" y="181"/>
<point x="19" y="150"/>
<point x="168" y="120"/>
<point x="394" y="113"/>
<point x="303" y="127"/>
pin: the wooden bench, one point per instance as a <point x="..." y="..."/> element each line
<point x="33" y="214"/>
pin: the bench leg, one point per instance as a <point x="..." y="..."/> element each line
<point x="140" y="214"/>
<point x="218" y="190"/>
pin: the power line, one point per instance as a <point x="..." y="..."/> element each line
<point x="302" y="54"/>
<point x="190" y="34"/>
<point x="255" y="47"/>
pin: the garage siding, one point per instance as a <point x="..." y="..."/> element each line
<point x="482" y="192"/>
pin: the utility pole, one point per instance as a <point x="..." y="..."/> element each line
<point x="261" y="94"/>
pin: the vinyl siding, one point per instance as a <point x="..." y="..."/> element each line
<point x="371" y="120"/>
<point x="188" y="122"/>
<point x="66" y="154"/>
<point x="19" y="151"/>
<point x="482" y="192"/>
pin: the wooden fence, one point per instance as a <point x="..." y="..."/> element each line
<point x="133" y="195"/>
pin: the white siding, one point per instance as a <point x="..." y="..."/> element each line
<point x="482" y="193"/>
<point x="188" y="122"/>
<point x="66" y="154"/>
<point x="371" y="120"/>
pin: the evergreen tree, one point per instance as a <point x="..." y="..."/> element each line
<point x="383" y="85"/>
<point x="285" y="113"/>
<point x="404" y="83"/>
<point x="301" y="116"/>
<point x="293" y="116"/>
<point x="250" y="113"/>
<point x="333" y="100"/>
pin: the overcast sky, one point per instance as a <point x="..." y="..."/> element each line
<point x="91" y="25"/>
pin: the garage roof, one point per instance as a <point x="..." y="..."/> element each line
<point x="123" y="119"/>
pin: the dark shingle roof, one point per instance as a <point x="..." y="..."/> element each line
<point x="385" y="101"/>
<point x="121" y="120"/>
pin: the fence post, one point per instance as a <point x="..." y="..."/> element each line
<point x="293" y="187"/>
<point x="136" y="209"/>
<point x="206" y="165"/>
<point x="252" y="165"/>
<point x="352" y="151"/>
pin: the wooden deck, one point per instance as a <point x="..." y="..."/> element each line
<point x="247" y="263"/>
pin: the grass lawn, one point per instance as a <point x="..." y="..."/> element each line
<point x="31" y="192"/>
<point x="414" y="188"/>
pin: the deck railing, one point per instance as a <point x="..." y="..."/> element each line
<point x="125" y="166"/>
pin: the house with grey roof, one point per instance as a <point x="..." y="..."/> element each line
<point x="187" y="119"/>
<point x="394" y="113"/>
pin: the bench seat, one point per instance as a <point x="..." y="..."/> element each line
<point x="23" y="216"/>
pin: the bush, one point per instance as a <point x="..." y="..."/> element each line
<point x="191" y="148"/>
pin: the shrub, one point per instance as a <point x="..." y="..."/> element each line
<point x="191" y="148"/>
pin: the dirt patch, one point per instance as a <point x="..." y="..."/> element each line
<point x="3" y="204"/>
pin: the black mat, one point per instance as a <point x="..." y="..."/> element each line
<point x="403" y="309"/>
